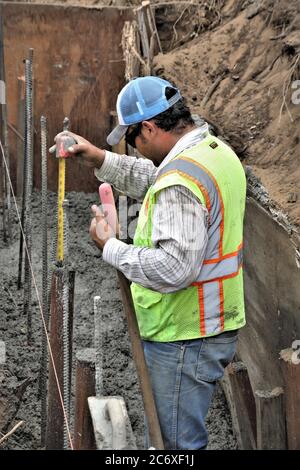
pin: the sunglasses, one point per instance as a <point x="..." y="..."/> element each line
<point x="132" y="135"/>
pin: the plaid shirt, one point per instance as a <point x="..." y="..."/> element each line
<point x="171" y="264"/>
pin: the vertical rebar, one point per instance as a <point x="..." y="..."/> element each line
<point x="6" y="204"/>
<point x="71" y="318"/>
<point x="66" y="327"/>
<point x="44" y="358"/>
<point x="66" y="124"/>
<point x="98" y="322"/>
<point x="66" y="353"/>
<point x="28" y="178"/>
<point x="24" y="197"/>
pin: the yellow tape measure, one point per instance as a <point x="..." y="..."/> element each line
<point x="61" y="198"/>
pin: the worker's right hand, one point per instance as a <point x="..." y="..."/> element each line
<point x="84" y="151"/>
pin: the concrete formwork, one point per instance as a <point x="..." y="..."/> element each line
<point x="78" y="72"/>
<point x="261" y="386"/>
<point x="272" y="294"/>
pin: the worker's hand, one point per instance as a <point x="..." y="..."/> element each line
<point x="100" y="231"/>
<point x="84" y="151"/>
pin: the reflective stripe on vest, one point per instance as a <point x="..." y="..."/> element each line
<point x="212" y="310"/>
<point x="221" y="268"/>
<point x="216" y="266"/>
<point x="207" y="184"/>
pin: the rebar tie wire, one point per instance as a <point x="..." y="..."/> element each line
<point x="39" y="304"/>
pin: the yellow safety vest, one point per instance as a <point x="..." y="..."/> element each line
<point x="214" y="302"/>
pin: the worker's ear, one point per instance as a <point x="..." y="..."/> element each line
<point x="148" y="129"/>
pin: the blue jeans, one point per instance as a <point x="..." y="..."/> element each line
<point x="183" y="375"/>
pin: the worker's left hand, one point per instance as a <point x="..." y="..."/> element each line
<point x="100" y="231"/>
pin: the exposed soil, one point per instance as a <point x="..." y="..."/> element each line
<point x="19" y="375"/>
<point x="257" y="57"/>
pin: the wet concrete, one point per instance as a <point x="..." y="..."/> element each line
<point x="93" y="277"/>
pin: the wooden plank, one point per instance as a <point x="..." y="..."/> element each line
<point x="240" y="398"/>
<point x="84" y="438"/>
<point x="270" y="419"/>
<point x="272" y="296"/>
<point x="140" y="15"/>
<point x="152" y="27"/>
<point x="291" y="372"/>
<point x="55" y="416"/>
<point x="79" y="71"/>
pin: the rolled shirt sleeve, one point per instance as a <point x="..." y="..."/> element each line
<point x="129" y="175"/>
<point x="179" y="240"/>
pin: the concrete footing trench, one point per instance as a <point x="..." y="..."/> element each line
<point x="78" y="72"/>
<point x="19" y="398"/>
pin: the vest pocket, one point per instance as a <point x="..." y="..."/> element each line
<point x="143" y="297"/>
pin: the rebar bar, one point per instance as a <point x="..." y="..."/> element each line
<point x="28" y="177"/>
<point x="66" y="327"/>
<point x="66" y="352"/>
<point x="21" y="251"/>
<point x="66" y="124"/>
<point x="44" y="358"/>
<point x="6" y="204"/>
<point x="98" y="322"/>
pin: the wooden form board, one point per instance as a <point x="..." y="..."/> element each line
<point x="78" y="72"/>
<point x="262" y="394"/>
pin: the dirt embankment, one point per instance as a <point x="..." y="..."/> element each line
<point x="253" y="57"/>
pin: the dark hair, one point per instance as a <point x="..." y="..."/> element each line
<point x="175" y="118"/>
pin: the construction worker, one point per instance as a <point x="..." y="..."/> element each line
<point x="185" y="263"/>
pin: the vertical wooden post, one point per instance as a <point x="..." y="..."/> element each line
<point x="270" y="419"/>
<point x="55" y="414"/>
<point x="291" y="372"/>
<point x="55" y="418"/>
<point x="84" y="438"/>
<point x="240" y="398"/>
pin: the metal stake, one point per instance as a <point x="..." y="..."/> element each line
<point x="66" y="327"/>
<point x="44" y="358"/>
<point x="28" y="178"/>
<point x="24" y="198"/>
<point x="98" y="345"/>
<point x="5" y="188"/>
